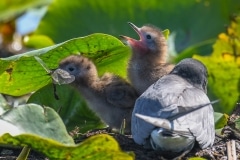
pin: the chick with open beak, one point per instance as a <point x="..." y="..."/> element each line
<point x="148" y="62"/>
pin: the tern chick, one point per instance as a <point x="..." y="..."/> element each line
<point x="109" y="96"/>
<point x="148" y="61"/>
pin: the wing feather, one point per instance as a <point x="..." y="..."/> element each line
<point x="162" y="100"/>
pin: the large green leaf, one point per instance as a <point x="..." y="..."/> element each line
<point x="22" y="74"/>
<point x="100" y="147"/>
<point x="13" y="8"/>
<point x="188" y="19"/>
<point x="70" y="106"/>
<point x="36" y="120"/>
<point x="43" y="130"/>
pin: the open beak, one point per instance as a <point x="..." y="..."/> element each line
<point x="135" y="28"/>
<point x="128" y="39"/>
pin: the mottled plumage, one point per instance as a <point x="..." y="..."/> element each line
<point x="109" y="96"/>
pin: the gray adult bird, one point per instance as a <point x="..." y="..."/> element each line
<point x="109" y="96"/>
<point x="148" y="61"/>
<point x="171" y="130"/>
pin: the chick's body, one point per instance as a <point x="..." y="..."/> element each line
<point x="109" y="96"/>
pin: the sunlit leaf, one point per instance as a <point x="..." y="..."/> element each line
<point x="22" y="73"/>
<point x="166" y="33"/>
<point x="101" y="147"/>
<point x="37" y="41"/>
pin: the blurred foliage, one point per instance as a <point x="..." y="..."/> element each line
<point x="37" y="41"/>
<point x="224" y="67"/>
<point x="10" y="9"/>
<point x="193" y="21"/>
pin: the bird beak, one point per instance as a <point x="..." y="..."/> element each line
<point x="138" y="45"/>
<point x="128" y="39"/>
<point x="135" y="28"/>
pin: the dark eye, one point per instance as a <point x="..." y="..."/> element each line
<point x="71" y="69"/>
<point x="148" y="36"/>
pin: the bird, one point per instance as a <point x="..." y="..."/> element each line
<point x="148" y="61"/>
<point x="111" y="97"/>
<point x="180" y="111"/>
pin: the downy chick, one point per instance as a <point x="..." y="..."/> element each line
<point x="148" y="61"/>
<point x="109" y="96"/>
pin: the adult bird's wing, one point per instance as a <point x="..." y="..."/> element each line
<point x="162" y="100"/>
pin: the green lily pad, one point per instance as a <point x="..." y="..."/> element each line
<point x="101" y="147"/>
<point x="36" y="120"/>
<point x="22" y="73"/>
<point x="43" y="130"/>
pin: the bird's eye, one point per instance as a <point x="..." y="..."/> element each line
<point x="148" y="36"/>
<point x="71" y="69"/>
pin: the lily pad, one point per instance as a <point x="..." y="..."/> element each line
<point x="36" y="120"/>
<point x="43" y="130"/>
<point x="101" y="147"/>
<point x="21" y="74"/>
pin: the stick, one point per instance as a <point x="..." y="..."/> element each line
<point x="231" y="150"/>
